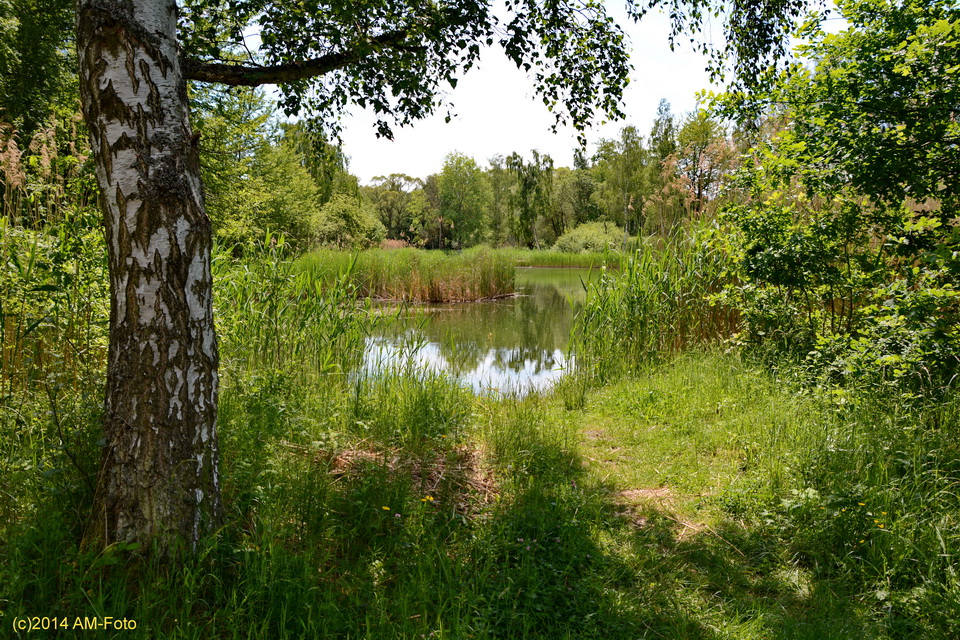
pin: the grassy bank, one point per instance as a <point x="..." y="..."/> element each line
<point x="549" y="258"/>
<point x="416" y="275"/>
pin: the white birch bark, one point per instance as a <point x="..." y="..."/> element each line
<point x="158" y="481"/>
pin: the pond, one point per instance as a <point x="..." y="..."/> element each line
<point x="513" y="345"/>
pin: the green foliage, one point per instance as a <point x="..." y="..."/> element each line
<point x="590" y="237"/>
<point x="464" y="199"/>
<point x="347" y="222"/>
<point x="399" y="202"/>
<point x="397" y="58"/>
<point x="233" y="128"/>
<point x="619" y="165"/>
<point x="846" y="242"/>
<point x="705" y="156"/>
<point x="531" y="197"/>
<point x="260" y="177"/>
<point x="37" y="63"/>
<point x="500" y="216"/>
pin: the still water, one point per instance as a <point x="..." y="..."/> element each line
<point x="514" y="345"/>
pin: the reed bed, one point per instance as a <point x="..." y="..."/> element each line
<point x="414" y="275"/>
<point x="663" y="301"/>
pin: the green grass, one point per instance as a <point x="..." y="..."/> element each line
<point x="549" y="258"/>
<point x="402" y="506"/>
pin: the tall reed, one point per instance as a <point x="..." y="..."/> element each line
<point x="661" y="302"/>
<point x="414" y="275"/>
<point x="271" y="314"/>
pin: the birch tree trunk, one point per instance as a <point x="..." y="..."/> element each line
<point x="158" y="481"/>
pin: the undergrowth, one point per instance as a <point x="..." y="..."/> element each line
<point x="685" y="497"/>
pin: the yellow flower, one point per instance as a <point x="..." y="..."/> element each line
<point x="862" y="504"/>
<point x="880" y="525"/>
<point x="386" y="508"/>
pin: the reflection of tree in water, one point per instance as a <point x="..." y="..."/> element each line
<point x="519" y="335"/>
<point x="519" y="358"/>
<point x="527" y="328"/>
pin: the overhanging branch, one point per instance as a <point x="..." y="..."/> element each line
<point x="252" y="76"/>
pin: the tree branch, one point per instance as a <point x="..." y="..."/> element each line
<point x="252" y="76"/>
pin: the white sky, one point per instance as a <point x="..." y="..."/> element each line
<point x="498" y="111"/>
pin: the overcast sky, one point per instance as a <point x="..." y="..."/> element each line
<point x="498" y="112"/>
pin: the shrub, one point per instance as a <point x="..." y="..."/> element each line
<point x="590" y="237"/>
<point x="345" y="222"/>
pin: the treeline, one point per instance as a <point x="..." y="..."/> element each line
<point x="261" y="174"/>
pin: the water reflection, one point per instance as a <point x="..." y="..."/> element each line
<point x="508" y="346"/>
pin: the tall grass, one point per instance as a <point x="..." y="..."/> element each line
<point x="273" y="315"/>
<point x="660" y="302"/>
<point x="413" y="275"/>
<point x="548" y="258"/>
<point x="878" y="508"/>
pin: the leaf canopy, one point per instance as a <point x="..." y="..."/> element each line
<point x="399" y="57"/>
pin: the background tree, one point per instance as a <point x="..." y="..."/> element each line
<point x="233" y="127"/>
<point x="500" y="223"/>
<point x="705" y="156"/>
<point x="347" y="222"/>
<point x="393" y="199"/>
<point x="464" y="199"/>
<point x="584" y="205"/>
<point x="619" y="165"/>
<point x="561" y="215"/>
<point x="531" y="198"/>
<point x="37" y="63"/>
<point x="661" y="145"/>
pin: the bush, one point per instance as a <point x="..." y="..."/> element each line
<point x="346" y="222"/>
<point x="590" y="237"/>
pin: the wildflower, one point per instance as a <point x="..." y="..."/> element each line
<point x="844" y="509"/>
<point x="862" y="504"/>
<point x="396" y="515"/>
<point x="880" y="525"/>
<point x="386" y="508"/>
